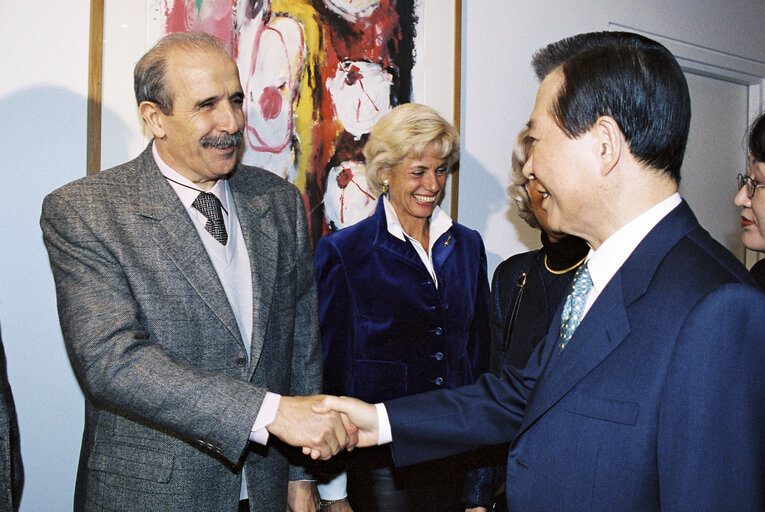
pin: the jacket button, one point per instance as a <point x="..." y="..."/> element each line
<point x="438" y="356"/>
<point x="240" y="361"/>
<point x="438" y="381"/>
<point x="437" y="331"/>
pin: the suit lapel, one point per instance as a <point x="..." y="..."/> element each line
<point x="443" y="248"/>
<point x="592" y="342"/>
<point x="256" y="217"/>
<point x="175" y="234"/>
<point x="606" y="325"/>
<point x="399" y="249"/>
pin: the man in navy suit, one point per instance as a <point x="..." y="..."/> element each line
<point x="656" y="402"/>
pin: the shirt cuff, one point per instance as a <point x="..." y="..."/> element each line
<point x="335" y="489"/>
<point x="384" y="435"/>
<point x="265" y="417"/>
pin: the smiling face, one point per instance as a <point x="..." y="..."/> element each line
<point x="535" y="199"/>
<point x="562" y="170"/>
<point x="415" y="187"/>
<point x="753" y="210"/>
<point x="200" y="138"/>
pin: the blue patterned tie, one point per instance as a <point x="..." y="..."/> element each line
<point x="210" y="207"/>
<point x="573" y="309"/>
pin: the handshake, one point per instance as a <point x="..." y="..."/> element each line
<point x="324" y="425"/>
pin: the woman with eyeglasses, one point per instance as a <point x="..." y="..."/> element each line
<point x="752" y="200"/>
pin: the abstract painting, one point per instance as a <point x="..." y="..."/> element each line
<point x="317" y="75"/>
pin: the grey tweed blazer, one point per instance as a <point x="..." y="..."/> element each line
<point x="169" y="395"/>
<point x="11" y="467"/>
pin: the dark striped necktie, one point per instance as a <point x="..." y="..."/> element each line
<point x="210" y="207"/>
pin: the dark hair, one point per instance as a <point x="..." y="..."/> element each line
<point x="630" y="78"/>
<point x="757" y="138"/>
<point x="149" y="76"/>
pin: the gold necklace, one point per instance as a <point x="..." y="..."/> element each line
<point x="569" y="269"/>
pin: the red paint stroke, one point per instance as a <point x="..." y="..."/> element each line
<point x="270" y="103"/>
<point x="183" y="16"/>
<point x="344" y="177"/>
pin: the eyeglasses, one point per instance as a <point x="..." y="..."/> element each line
<point x="751" y="185"/>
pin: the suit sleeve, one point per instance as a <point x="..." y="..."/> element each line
<point x="479" y="476"/>
<point x="306" y="367"/>
<point x="115" y="357"/>
<point x="446" y="422"/>
<point x="13" y="474"/>
<point x="711" y="433"/>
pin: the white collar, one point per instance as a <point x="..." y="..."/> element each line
<point x="439" y="221"/>
<point x="186" y="190"/>
<point x="611" y="255"/>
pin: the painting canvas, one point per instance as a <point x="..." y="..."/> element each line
<point x="317" y="75"/>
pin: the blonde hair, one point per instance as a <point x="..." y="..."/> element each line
<point x="517" y="188"/>
<point x="408" y="130"/>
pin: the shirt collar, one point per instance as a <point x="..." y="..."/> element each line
<point x="186" y="190"/>
<point x="611" y="255"/>
<point x="439" y="220"/>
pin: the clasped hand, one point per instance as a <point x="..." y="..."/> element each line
<point x="324" y="425"/>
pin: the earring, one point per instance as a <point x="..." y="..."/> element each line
<point x="385" y="185"/>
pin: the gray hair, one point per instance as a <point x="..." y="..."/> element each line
<point x="150" y="74"/>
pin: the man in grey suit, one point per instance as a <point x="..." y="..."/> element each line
<point x="187" y="302"/>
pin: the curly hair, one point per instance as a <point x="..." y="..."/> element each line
<point x="517" y="188"/>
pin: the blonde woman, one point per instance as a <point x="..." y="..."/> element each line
<point x="403" y="304"/>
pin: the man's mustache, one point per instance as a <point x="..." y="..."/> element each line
<point x="222" y="141"/>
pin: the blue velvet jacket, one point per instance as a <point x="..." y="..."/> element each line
<point x="387" y="331"/>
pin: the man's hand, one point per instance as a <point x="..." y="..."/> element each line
<point x="321" y="435"/>
<point x="358" y="413"/>
<point x="302" y="496"/>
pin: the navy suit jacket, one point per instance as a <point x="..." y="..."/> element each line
<point x="386" y="330"/>
<point x="657" y="403"/>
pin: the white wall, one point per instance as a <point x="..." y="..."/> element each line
<point x="499" y="38"/>
<point x="43" y="104"/>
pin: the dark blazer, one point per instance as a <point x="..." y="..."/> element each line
<point x="11" y="468"/>
<point x="758" y="272"/>
<point x="170" y="395"/>
<point x="655" y="404"/>
<point x="386" y="330"/>
<point x="542" y="294"/>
